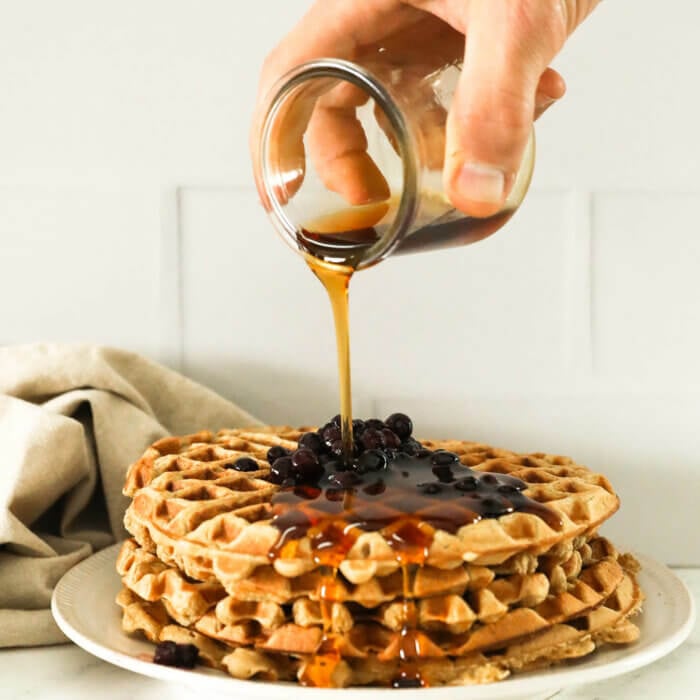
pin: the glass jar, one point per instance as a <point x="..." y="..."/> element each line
<point x="350" y="158"/>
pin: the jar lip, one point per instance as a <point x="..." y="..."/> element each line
<point x="364" y="79"/>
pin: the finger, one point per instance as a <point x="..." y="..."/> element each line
<point x="494" y="105"/>
<point x="337" y="145"/>
<point x="550" y="89"/>
<point x="330" y="28"/>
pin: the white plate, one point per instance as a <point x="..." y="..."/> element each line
<point x="84" y="608"/>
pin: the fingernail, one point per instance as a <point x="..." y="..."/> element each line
<point x="481" y="183"/>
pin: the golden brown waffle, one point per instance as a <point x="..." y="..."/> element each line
<point x="215" y="524"/>
<point x="450" y="625"/>
<point x="606" y="624"/>
<point x="144" y="574"/>
<point x="184" y="601"/>
<point x="150" y="579"/>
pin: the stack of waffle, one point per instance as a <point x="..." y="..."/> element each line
<point x="455" y="606"/>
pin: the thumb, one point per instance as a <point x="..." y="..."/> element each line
<point x="508" y="47"/>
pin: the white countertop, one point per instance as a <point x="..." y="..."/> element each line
<point x="68" y="673"/>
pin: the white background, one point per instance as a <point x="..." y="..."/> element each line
<point x="128" y="217"/>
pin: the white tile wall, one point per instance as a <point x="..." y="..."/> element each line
<point x="127" y="217"/>
<point x="80" y="263"/>
<point x="646" y="296"/>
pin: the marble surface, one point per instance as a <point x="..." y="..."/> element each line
<point x="68" y="673"/>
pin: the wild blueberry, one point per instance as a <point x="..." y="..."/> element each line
<point x="442" y="457"/>
<point x="391" y="439"/>
<point x="375" y="424"/>
<point x="371" y="461"/>
<point x="401" y="424"/>
<point x="281" y="469"/>
<point x="468" y="483"/>
<point x="276" y="452"/>
<point x="372" y="439"/>
<point x="358" y="426"/>
<point x="313" y="442"/>
<point x="331" y="434"/>
<point x="244" y="464"/>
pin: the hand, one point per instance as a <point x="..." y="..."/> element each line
<point x="506" y="47"/>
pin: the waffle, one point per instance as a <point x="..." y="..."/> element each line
<point x="505" y="608"/>
<point x="449" y="625"/>
<point x="215" y="524"/>
<point x="608" y="623"/>
<point x="475" y="591"/>
<point x="414" y="583"/>
<point x="147" y="576"/>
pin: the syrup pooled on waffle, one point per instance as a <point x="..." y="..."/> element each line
<point x="267" y="540"/>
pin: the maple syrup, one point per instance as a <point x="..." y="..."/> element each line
<point x="336" y="279"/>
<point x="349" y="236"/>
<point x="408" y="500"/>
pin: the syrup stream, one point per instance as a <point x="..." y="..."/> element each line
<point x="336" y="280"/>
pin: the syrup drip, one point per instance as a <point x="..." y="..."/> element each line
<point x="318" y="672"/>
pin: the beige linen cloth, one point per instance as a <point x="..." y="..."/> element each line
<point x="72" y="418"/>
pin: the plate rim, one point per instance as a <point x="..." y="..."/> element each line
<point x="546" y="680"/>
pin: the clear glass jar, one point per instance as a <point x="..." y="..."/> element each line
<point x="350" y="161"/>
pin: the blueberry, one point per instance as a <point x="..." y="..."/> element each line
<point x="166" y="654"/>
<point x="442" y="457"/>
<point x="244" y="464"/>
<point x="401" y="424"/>
<point x="372" y="439"/>
<point x="188" y="655"/>
<point x="281" y="469"/>
<point x="489" y="479"/>
<point x="375" y="424"/>
<point x="305" y="466"/>
<point x="391" y="439"/>
<point x="336" y="420"/>
<point x="494" y="507"/>
<point x="313" y="442"/>
<point x="331" y="462"/>
<point x="468" y="483"/>
<point x="172" y="654"/>
<point x="276" y="452"/>
<point x="410" y="447"/>
<point x="423" y="452"/>
<point x="330" y="434"/>
<point x="444" y="473"/>
<point x="336" y="448"/>
<point x="371" y="461"/>
<point x="304" y="457"/>
<point x="344" y="480"/>
<point x="358" y="426"/>
<point x="430" y="489"/>
<point x="336" y="495"/>
<point x="508" y="489"/>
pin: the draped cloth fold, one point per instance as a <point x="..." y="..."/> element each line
<point x="72" y="418"/>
